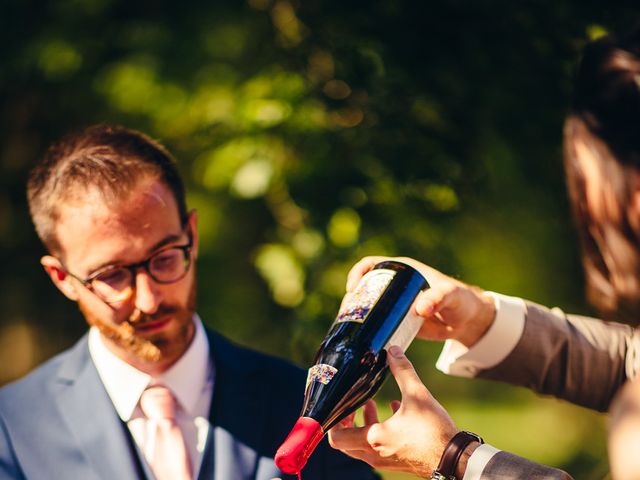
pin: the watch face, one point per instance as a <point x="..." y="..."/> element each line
<point x="436" y="475"/>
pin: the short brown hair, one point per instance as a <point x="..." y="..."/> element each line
<point x="111" y="158"/>
<point x="602" y="164"/>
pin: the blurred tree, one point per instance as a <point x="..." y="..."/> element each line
<point x="310" y="134"/>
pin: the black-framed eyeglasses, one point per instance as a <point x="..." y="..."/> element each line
<point x="115" y="283"/>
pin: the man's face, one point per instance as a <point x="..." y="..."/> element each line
<point x="153" y="327"/>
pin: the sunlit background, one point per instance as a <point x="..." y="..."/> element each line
<point x="310" y="134"/>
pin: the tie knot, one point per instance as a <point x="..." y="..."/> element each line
<point x="158" y="403"/>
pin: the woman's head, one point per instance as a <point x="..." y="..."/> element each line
<point x="602" y="162"/>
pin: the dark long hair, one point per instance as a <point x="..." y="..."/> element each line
<point x="602" y="164"/>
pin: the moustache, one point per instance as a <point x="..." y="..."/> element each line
<point x="139" y="318"/>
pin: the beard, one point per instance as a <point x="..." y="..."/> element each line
<point x="154" y="348"/>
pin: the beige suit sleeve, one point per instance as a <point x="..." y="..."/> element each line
<point x="579" y="359"/>
<point x="506" y="466"/>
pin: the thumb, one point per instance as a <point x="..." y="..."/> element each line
<point x="406" y="377"/>
<point x="359" y="269"/>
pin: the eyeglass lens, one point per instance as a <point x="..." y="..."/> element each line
<point x="165" y="267"/>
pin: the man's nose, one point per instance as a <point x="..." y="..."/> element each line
<point x="147" y="293"/>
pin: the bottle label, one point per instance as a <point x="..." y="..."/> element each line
<point x="406" y="331"/>
<point x="322" y="373"/>
<point x="357" y="304"/>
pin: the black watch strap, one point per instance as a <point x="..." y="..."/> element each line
<point x="451" y="456"/>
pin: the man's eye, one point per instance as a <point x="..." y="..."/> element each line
<point x="114" y="277"/>
<point x="166" y="260"/>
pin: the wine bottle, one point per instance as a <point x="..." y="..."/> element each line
<point x="351" y="363"/>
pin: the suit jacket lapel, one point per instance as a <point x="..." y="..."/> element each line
<point x="92" y="419"/>
<point x="231" y="452"/>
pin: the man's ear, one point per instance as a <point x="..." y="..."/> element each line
<point x="59" y="277"/>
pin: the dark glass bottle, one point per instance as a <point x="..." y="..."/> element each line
<point x="351" y="363"/>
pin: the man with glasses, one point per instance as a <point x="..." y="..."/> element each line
<point x="149" y="392"/>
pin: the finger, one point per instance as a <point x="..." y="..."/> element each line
<point x="433" y="328"/>
<point x="406" y="377"/>
<point x="395" y="405"/>
<point x="370" y="414"/>
<point x="359" y="269"/>
<point x="347" y="422"/>
<point x="442" y="310"/>
<point x="366" y="456"/>
<point x="436" y="299"/>
<point x="349" y="438"/>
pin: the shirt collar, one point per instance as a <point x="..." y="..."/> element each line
<point x="187" y="378"/>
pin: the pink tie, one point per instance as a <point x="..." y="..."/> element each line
<point x="170" y="457"/>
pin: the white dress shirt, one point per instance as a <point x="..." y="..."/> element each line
<point x="500" y="340"/>
<point x="190" y="379"/>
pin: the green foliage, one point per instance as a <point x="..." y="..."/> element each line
<point x="310" y="134"/>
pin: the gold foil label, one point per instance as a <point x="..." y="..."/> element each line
<point x="322" y="373"/>
<point x="357" y="304"/>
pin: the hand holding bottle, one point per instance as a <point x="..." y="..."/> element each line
<point x="351" y="365"/>
<point x="451" y="309"/>
<point x="412" y="440"/>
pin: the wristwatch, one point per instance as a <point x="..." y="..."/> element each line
<point x="451" y="456"/>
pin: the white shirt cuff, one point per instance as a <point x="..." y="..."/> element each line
<point x="501" y="338"/>
<point x="478" y="461"/>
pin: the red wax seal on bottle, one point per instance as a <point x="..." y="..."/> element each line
<point x="294" y="452"/>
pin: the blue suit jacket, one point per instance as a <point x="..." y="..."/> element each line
<point x="59" y="422"/>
